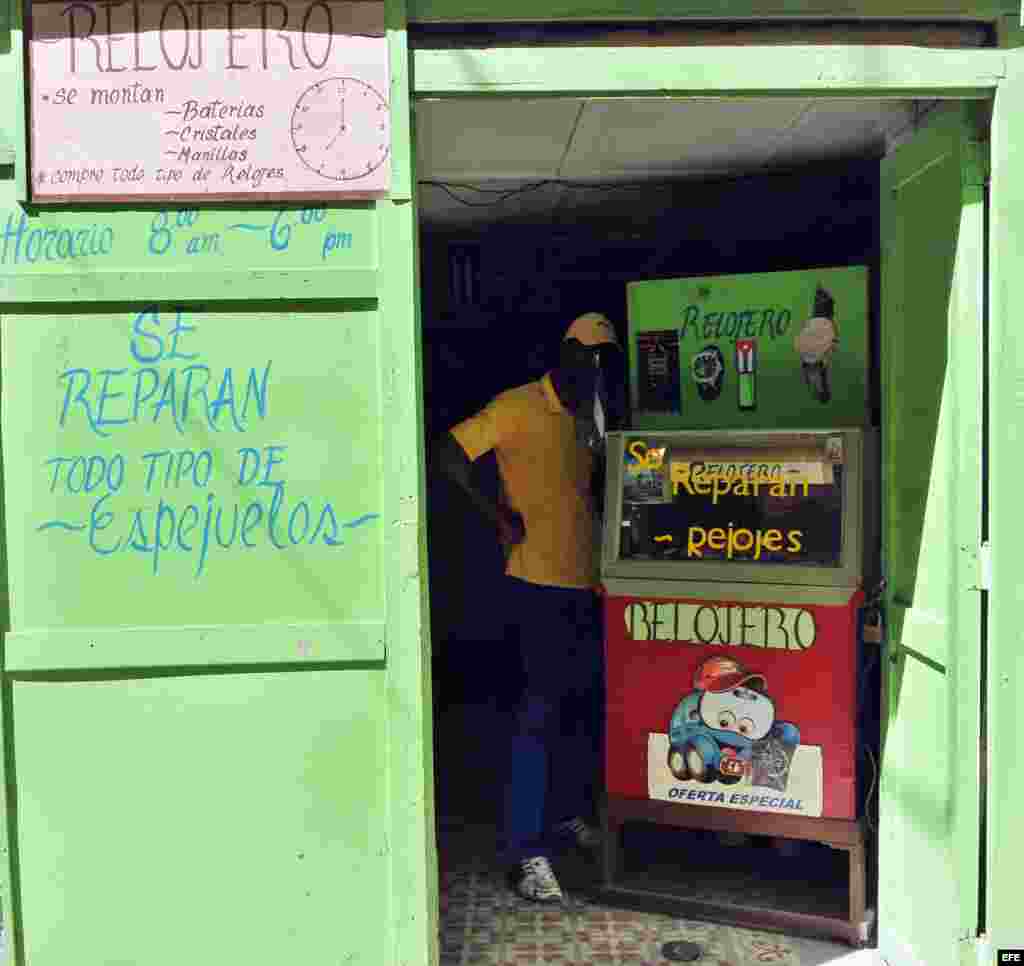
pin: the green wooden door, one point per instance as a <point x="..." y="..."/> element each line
<point x="1005" y="657"/>
<point x="932" y="263"/>
<point x="215" y="685"/>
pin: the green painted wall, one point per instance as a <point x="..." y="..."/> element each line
<point x="206" y="818"/>
<point x="216" y="750"/>
<point x="100" y="254"/>
<point x="48" y="242"/>
<point x="190" y="457"/>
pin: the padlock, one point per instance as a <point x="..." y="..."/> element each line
<point x="871" y="632"/>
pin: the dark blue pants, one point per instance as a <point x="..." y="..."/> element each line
<point x="554" y="768"/>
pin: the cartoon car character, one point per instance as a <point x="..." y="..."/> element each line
<point x="713" y="730"/>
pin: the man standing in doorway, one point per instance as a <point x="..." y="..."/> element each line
<point x="547" y="437"/>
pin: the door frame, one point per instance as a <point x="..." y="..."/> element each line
<point x="806" y="71"/>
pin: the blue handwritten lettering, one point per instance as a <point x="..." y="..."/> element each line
<point x="150" y="312"/>
<point x="272" y="461"/>
<point x="201" y="391"/>
<point x="205" y="549"/>
<point x="186" y="464"/>
<point x="53" y="244"/>
<point x="156" y="397"/>
<point x="140" y="378"/>
<point x="100" y="519"/>
<point x="335" y="241"/>
<point x="164" y="514"/>
<point x="206" y="243"/>
<point x="56" y="462"/>
<point x="169" y="400"/>
<point x="87" y="474"/>
<point x="182" y="532"/>
<point x="106" y="395"/>
<point x="71" y="375"/>
<point x="104" y="399"/>
<point x="257" y="393"/>
<point x="276" y="503"/>
<point x="167" y="529"/>
<point x="234" y="528"/>
<point x="179" y="327"/>
<point x="251" y="460"/>
<point x="327" y="518"/>
<point x="280" y="232"/>
<point x="303" y="506"/>
<point x="163" y="227"/>
<point x="160" y="237"/>
<point x="253" y="512"/>
<point x="225" y="400"/>
<point x="137" y="534"/>
<point x="59" y="524"/>
<point x="201" y="477"/>
<point x="365" y="518"/>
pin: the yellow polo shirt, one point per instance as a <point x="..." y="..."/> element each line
<point x="546" y="475"/>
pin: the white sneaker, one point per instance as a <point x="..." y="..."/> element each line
<point x="538" y="882"/>
<point x="586" y="836"/>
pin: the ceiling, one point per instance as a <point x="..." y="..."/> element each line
<point x="486" y="161"/>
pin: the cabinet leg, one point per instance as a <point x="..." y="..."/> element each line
<point x="858" y="885"/>
<point x="612" y="836"/>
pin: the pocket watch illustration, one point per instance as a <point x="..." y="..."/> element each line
<point x="770" y="756"/>
<point x="817" y="343"/>
<point x="340" y="128"/>
<point x="708" y="368"/>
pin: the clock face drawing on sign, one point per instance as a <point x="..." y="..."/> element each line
<point x="340" y="128"/>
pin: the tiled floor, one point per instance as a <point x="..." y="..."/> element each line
<point x="484" y="923"/>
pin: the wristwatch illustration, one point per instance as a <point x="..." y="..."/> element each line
<point x="340" y="128"/>
<point x="708" y="367"/>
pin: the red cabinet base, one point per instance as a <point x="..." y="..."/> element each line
<point x="737" y="706"/>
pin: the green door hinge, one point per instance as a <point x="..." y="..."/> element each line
<point x="985" y="566"/>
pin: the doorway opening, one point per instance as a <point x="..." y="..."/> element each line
<point x="535" y="211"/>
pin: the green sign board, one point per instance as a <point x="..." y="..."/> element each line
<point x="170" y="466"/>
<point x="57" y="242"/>
<point x="771" y="350"/>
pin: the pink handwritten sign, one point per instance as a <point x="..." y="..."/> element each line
<point x="208" y="99"/>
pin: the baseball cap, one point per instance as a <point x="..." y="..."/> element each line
<point x="721" y="673"/>
<point x="592" y="328"/>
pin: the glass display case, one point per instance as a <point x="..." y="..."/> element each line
<point x="736" y="506"/>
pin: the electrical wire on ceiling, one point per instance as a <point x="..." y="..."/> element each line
<point x="501" y="195"/>
<point x="498" y="196"/>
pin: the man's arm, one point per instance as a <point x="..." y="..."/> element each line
<point x="597" y="486"/>
<point x="450" y="460"/>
